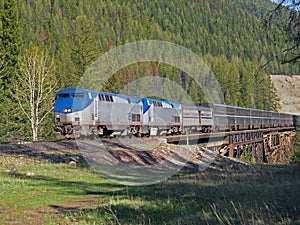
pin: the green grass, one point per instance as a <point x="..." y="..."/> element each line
<point x="264" y="195"/>
<point x="260" y="194"/>
<point x="28" y="186"/>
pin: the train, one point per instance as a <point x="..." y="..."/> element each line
<point x="82" y="112"/>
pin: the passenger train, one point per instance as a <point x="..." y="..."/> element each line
<point x="86" y="112"/>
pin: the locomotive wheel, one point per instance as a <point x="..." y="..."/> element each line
<point x="135" y="131"/>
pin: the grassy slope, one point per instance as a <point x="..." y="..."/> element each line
<point x="260" y="194"/>
<point x="30" y="186"/>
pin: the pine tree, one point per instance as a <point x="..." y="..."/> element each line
<point x="10" y="42"/>
<point x="82" y="43"/>
<point x="246" y="79"/>
<point x="9" y="51"/>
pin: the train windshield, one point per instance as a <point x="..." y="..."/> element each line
<point x="60" y="96"/>
<point x="73" y="95"/>
<point x="78" y="95"/>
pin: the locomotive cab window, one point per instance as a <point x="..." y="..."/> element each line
<point x="77" y="95"/>
<point x="63" y="96"/>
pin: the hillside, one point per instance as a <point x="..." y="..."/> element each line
<point x="216" y="27"/>
<point x="228" y="34"/>
<point x="288" y="90"/>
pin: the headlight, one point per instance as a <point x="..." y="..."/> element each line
<point x="67" y="110"/>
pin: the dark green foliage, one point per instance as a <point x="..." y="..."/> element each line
<point x="243" y="83"/>
<point x="10" y="41"/>
<point x="295" y="155"/>
<point x="217" y="27"/>
<point x="81" y="47"/>
<point x="9" y="52"/>
<point x="285" y="17"/>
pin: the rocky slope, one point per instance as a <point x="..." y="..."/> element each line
<point x="288" y="90"/>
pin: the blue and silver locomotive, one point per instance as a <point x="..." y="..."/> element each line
<point x="85" y="112"/>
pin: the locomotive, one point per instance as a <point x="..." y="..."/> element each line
<point x="86" y="112"/>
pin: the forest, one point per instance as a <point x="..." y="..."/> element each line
<point x="47" y="45"/>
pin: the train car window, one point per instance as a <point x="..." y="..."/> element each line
<point x="128" y="99"/>
<point x="220" y="109"/>
<point x="206" y="113"/>
<point x="63" y="95"/>
<point x="107" y="98"/>
<point x="111" y="98"/>
<point x="77" y="95"/>
<point x="256" y="112"/>
<point x="230" y="110"/>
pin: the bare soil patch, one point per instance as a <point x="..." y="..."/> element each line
<point x="288" y="90"/>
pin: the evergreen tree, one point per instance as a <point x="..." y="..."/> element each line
<point x="286" y="17"/>
<point x="81" y="47"/>
<point x="247" y="84"/>
<point x="9" y="42"/>
<point x="9" y="51"/>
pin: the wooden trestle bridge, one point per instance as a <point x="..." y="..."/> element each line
<point x="269" y="145"/>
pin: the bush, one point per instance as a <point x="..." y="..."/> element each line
<point x="295" y="155"/>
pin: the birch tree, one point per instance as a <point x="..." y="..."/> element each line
<point x="35" y="86"/>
